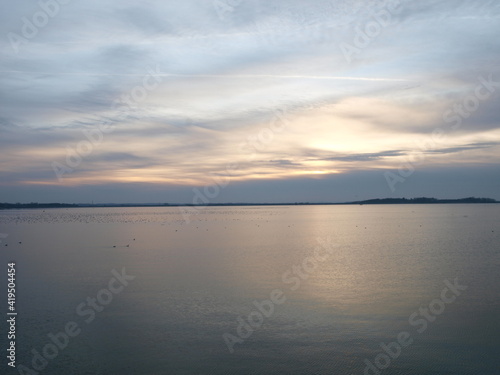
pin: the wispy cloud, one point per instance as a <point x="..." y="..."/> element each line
<point x="224" y="80"/>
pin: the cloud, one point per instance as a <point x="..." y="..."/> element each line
<point x="366" y="157"/>
<point x="227" y="80"/>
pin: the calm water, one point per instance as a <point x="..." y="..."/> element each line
<point x="195" y="282"/>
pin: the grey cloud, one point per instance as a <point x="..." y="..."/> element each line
<point x="469" y="147"/>
<point x="366" y="157"/>
<point x="14" y="137"/>
<point x="283" y="162"/>
<point x="369" y="157"/>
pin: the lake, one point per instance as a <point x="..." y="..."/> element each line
<point x="373" y="289"/>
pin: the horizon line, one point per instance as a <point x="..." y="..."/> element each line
<point x="403" y="200"/>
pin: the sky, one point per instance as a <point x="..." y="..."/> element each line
<point x="248" y="100"/>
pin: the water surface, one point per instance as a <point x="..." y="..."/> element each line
<point x="194" y="281"/>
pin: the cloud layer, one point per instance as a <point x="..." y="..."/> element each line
<point x="273" y="91"/>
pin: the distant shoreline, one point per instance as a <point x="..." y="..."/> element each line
<point x="423" y="200"/>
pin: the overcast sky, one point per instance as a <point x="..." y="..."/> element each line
<point x="248" y="100"/>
